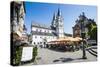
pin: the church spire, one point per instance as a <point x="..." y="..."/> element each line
<point x="54" y="16"/>
<point x="59" y="12"/>
<point x="54" y="21"/>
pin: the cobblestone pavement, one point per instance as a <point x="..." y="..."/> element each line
<point x="47" y="56"/>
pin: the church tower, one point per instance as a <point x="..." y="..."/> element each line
<point x="59" y="24"/>
<point x="53" y="24"/>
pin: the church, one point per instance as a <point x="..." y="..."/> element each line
<point x="41" y="34"/>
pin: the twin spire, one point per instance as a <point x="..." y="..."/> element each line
<point x="58" y="14"/>
<point x="55" y="16"/>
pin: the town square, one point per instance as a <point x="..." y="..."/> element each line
<point x="52" y="33"/>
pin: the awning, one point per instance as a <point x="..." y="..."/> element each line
<point x="67" y="40"/>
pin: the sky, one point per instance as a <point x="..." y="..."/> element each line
<point x="43" y="13"/>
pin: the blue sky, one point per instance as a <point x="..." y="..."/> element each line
<point x="43" y="13"/>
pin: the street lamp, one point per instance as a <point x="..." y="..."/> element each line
<point x="83" y="45"/>
<point x="83" y="33"/>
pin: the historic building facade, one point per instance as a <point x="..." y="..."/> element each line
<point x="17" y="28"/>
<point x="81" y="26"/>
<point x="41" y="34"/>
<point x="17" y="18"/>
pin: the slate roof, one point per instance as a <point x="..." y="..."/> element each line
<point x="43" y="33"/>
<point x="35" y="24"/>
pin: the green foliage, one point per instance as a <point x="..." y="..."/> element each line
<point x="17" y="56"/>
<point x="34" y="53"/>
<point x="92" y="27"/>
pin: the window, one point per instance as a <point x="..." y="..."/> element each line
<point x="40" y="30"/>
<point x="40" y="42"/>
<point x="35" y="36"/>
<point x="37" y="30"/>
<point x="44" y="43"/>
<point x="61" y="26"/>
<point x="45" y="31"/>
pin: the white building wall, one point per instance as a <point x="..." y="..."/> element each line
<point x="33" y="28"/>
<point x="40" y="39"/>
<point x="41" y="29"/>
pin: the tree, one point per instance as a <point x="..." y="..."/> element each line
<point x="92" y="30"/>
<point x="35" y="52"/>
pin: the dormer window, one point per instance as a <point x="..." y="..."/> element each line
<point x="37" y="30"/>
